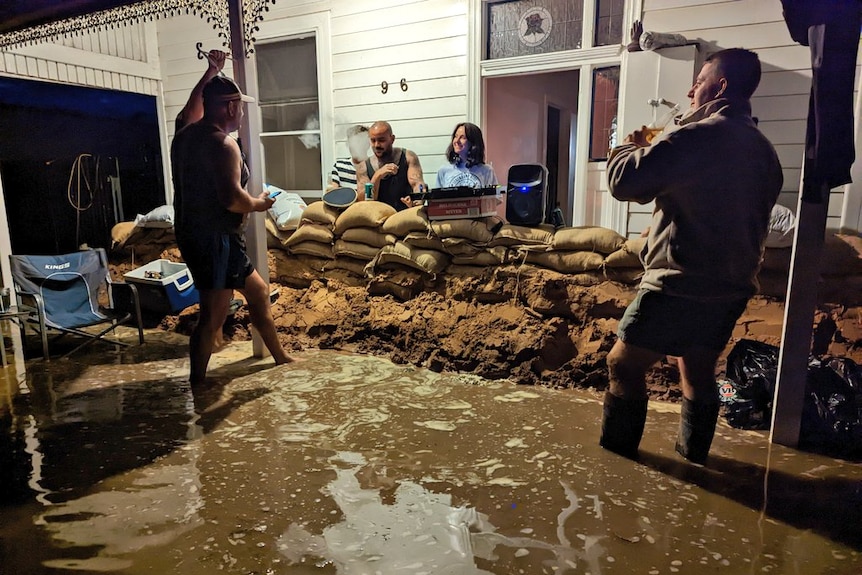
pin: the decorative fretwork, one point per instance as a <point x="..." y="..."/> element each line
<point x="216" y="13"/>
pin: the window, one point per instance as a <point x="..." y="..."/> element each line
<point x="524" y="27"/>
<point x="609" y="22"/>
<point x="290" y="113"/>
<point x="606" y="87"/>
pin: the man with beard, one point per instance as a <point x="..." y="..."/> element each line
<point x="395" y="173"/>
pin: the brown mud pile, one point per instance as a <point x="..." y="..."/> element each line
<point x="528" y="324"/>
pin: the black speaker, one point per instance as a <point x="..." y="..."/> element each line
<point x="526" y="194"/>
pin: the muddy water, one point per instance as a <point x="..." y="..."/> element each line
<point x="352" y="465"/>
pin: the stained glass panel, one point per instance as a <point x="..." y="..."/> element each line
<point x="523" y="27"/>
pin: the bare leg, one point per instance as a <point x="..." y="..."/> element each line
<point x="697" y="375"/>
<point x="213" y="310"/>
<point x="627" y="367"/>
<point x="256" y="294"/>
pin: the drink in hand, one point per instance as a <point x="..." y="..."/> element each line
<point x="658" y="125"/>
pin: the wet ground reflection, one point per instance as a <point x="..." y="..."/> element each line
<point x="351" y="465"/>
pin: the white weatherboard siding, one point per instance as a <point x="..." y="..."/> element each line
<point x="422" y="41"/>
<point x="123" y="59"/>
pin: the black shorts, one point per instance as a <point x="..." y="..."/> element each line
<point x="672" y="325"/>
<point x="216" y="260"/>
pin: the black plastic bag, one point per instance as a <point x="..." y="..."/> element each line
<point x="832" y="412"/>
<point x="746" y="394"/>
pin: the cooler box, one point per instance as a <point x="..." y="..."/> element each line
<point x="164" y="286"/>
<point x="462" y="202"/>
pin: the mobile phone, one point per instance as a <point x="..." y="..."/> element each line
<point x="273" y="194"/>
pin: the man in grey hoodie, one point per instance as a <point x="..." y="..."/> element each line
<point x="714" y="182"/>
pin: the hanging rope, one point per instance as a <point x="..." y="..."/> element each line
<point x="78" y="176"/>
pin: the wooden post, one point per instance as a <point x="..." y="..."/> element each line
<point x="245" y="74"/>
<point x="799" y="309"/>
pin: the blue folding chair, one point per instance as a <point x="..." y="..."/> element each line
<point x="64" y="292"/>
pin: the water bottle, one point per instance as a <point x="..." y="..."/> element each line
<point x="369" y="191"/>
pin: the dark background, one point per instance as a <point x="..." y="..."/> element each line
<point x="53" y="203"/>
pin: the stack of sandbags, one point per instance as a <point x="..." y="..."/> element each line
<point x="315" y="235"/>
<point x="275" y="238"/>
<point x="141" y="244"/>
<point x="466" y="240"/>
<point x="579" y="251"/>
<point x="624" y="265"/>
<point x="417" y="248"/>
<point x="841" y="269"/>
<point x="511" y="243"/>
<point x="358" y="235"/>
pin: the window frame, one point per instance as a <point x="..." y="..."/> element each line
<point x="319" y="25"/>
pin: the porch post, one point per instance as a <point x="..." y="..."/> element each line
<point x="245" y="74"/>
<point x="799" y="309"/>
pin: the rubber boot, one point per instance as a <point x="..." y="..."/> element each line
<point x="623" y="424"/>
<point x="696" y="429"/>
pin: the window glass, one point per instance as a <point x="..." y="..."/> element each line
<point x="606" y="84"/>
<point x="609" y="22"/>
<point x="522" y="27"/>
<point x="290" y="112"/>
<point x="292" y="162"/>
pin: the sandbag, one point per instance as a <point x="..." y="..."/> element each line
<point x="275" y="238"/>
<point x="429" y="261"/>
<point x="842" y="255"/>
<point x="369" y="214"/>
<point x="309" y="232"/>
<point x="426" y="240"/>
<point x="406" y="221"/>
<point x="310" y="248"/>
<point x="319" y="213"/>
<point x="352" y="265"/>
<point x="460" y="247"/>
<point x="370" y="236"/>
<point x="512" y="235"/>
<point x="473" y="230"/>
<point x="587" y="239"/>
<point x="354" y="250"/>
<point x="566" y="262"/>
<point x="627" y="256"/>
<point x="480" y="258"/>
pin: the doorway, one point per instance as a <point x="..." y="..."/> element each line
<point x="529" y="119"/>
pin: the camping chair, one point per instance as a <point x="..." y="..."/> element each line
<point x="64" y="290"/>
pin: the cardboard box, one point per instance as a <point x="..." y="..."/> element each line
<point x="164" y="286"/>
<point x="461" y="208"/>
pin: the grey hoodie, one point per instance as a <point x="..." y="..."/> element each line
<point x="714" y="182"/>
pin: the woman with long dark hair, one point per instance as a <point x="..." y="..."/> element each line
<point x="466" y="156"/>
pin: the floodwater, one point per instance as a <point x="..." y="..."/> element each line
<point x="348" y="464"/>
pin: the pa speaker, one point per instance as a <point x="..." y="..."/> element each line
<point x="526" y="194"/>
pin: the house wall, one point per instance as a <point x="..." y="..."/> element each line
<point x="371" y="41"/>
<point x="426" y="43"/>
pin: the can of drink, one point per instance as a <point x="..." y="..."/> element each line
<point x="369" y="191"/>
